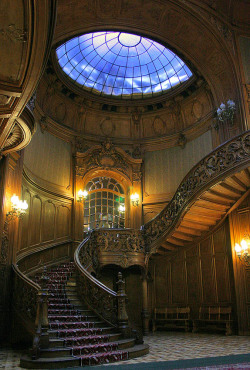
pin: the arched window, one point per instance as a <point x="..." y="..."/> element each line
<point x="104" y="205"/>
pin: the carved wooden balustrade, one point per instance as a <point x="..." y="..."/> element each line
<point x="30" y="302"/>
<point x="122" y="247"/>
<point x="106" y="303"/>
<point x="225" y="159"/>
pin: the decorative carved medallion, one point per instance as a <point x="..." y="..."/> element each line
<point x="197" y="109"/>
<point x="4" y="99"/>
<point x="159" y="126"/>
<point x="107" y="127"/>
<point x="14" y="34"/>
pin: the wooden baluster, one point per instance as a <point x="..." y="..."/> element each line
<point x="122" y="315"/>
<point x="41" y="338"/>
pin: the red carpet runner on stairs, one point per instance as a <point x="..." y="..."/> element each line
<point x="87" y="342"/>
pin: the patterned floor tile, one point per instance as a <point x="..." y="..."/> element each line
<point x="169" y="346"/>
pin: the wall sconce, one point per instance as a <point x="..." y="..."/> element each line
<point x="242" y="250"/>
<point x="18" y="208"/>
<point x="122" y="208"/>
<point x="82" y="195"/>
<point x="135" y="199"/>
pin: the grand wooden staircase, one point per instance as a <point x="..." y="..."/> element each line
<point x="71" y="313"/>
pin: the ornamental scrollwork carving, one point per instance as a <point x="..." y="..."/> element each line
<point x="125" y="241"/>
<point x="226" y="157"/>
<point x="25" y="298"/>
<point x="105" y="156"/>
<point x="4" y="244"/>
<point x="13" y="33"/>
<point x="137" y="176"/>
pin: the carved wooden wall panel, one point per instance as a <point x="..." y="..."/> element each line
<point x="199" y="275"/>
<point x="52" y="255"/>
<point x="35" y="220"/>
<point x="193" y="277"/>
<point x="48" y="220"/>
<point x="25" y="221"/>
<point x="178" y="280"/>
<point x="63" y="222"/>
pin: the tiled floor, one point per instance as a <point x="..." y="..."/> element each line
<point x="178" y="346"/>
<point x="169" y="346"/>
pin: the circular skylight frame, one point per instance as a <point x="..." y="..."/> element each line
<point x="83" y="49"/>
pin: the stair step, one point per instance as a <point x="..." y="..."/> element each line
<point x="65" y="333"/>
<point x="78" y="336"/>
<point x="49" y="363"/>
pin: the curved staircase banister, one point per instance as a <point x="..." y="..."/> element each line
<point x="25" y="294"/>
<point x="101" y="299"/>
<point x="86" y="273"/>
<point x="31" y="304"/>
<point x="227" y="158"/>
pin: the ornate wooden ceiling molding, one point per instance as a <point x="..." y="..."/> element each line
<point x="151" y="130"/>
<point x="26" y="35"/>
<point x="21" y="133"/>
<point x="107" y="157"/>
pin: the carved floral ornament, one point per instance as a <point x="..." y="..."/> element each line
<point x="108" y="157"/>
<point x="227" y="156"/>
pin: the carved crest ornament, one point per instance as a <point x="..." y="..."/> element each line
<point x="108" y="157"/>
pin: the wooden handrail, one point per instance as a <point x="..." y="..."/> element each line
<point x="86" y="273"/>
<point x="25" y="293"/>
<point x="107" y="304"/>
<point x="31" y="302"/>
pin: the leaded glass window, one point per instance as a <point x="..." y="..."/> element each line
<point x="121" y="64"/>
<point x="104" y="205"/>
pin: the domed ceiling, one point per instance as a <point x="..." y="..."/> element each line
<point x="120" y="64"/>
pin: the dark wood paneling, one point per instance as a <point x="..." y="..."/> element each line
<point x="197" y="276"/>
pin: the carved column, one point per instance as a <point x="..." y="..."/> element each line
<point x="145" y="313"/>
<point x="121" y="307"/>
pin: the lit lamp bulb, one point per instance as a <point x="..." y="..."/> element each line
<point x="122" y="208"/>
<point x="244" y="246"/>
<point x="82" y="194"/>
<point x="15" y="201"/>
<point x="18" y="208"/>
<point x="237" y="249"/>
<point x="23" y="206"/>
<point x="135" y="199"/>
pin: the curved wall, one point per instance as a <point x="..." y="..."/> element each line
<point x="49" y="158"/>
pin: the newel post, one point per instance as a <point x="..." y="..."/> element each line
<point x="121" y="307"/>
<point x="41" y="338"/>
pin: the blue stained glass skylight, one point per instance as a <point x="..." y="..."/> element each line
<point x="121" y="64"/>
